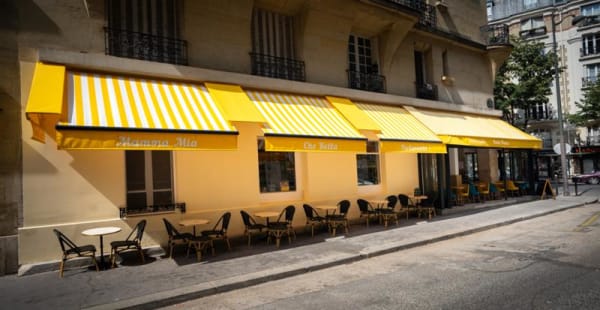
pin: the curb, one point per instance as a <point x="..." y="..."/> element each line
<point x="171" y="297"/>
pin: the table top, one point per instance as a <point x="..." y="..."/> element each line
<point x="418" y="197"/>
<point x="326" y="207"/>
<point x="266" y="214"/>
<point x="458" y="186"/>
<point x="193" y="222"/>
<point x="99" y="231"/>
<point x="378" y="201"/>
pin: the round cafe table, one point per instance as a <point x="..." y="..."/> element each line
<point x="193" y="223"/>
<point x="266" y="215"/>
<point x="101" y="231"/>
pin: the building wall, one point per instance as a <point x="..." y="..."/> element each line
<point x="75" y="190"/>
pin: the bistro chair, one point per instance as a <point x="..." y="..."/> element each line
<point x="512" y="189"/>
<point x="250" y="225"/>
<point x="366" y="209"/>
<point x="283" y="226"/>
<point x="427" y="205"/>
<point x="175" y="237"/>
<point x="219" y="231"/>
<point x="312" y="218"/>
<point x="132" y="242"/>
<point x="484" y="190"/>
<point x="336" y="220"/>
<point x="496" y="191"/>
<point x="464" y="195"/>
<point x="387" y="213"/>
<point x="474" y="193"/>
<point x="406" y="205"/>
<point x="71" y="250"/>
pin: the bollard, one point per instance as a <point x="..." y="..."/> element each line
<point x="575" y="181"/>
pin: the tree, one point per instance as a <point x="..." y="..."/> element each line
<point x="588" y="113"/>
<point x="524" y="80"/>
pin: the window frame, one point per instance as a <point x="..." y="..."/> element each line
<point x="149" y="185"/>
<point x="372" y="153"/>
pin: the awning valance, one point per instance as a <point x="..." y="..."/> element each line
<point x="304" y="123"/>
<point x="474" y="130"/>
<point x="102" y="111"/>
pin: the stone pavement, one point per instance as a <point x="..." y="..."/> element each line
<point x="163" y="281"/>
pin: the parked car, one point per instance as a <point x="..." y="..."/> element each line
<point x="590" y="178"/>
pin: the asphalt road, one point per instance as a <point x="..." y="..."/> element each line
<point x="550" y="262"/>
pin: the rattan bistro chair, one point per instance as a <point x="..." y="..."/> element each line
<point x="133" y="241"/>
<point x="283" y="226"/>
<point x="313" y="218"/>
<point x="71" y="250"/>
<point x="406" y="205"/>
<point x="250" y="225"/>
<point x="388" y="213"/>
<point x="336" y="220"/>
<point x="175" y="237"/>
<point x="366" y="209"/>
<point x="220" y="232"/>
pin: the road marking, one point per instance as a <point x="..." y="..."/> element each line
<point x="588" y="222"/>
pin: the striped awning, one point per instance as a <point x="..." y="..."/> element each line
<point x="400" y="131"/>
<point x="104" y="111"/>
<point x="304" y="123"/>
<point x="474" y="130"/>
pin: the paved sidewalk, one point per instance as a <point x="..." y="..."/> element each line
<point x="163" y="282"/>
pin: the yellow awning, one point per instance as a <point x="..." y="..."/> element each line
<point x="45" y="102"/>
<point x="305" y="123"/>
<point x="235" y="103"/>
<point x="475" y="130"/>
<point x="400" y="131"/>
<point x="114" y="112"/>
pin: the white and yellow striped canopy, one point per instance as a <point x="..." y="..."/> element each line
<point x="304" y="123"/>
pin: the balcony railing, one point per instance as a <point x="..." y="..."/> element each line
<point x="416" y="5"/>
<point x="428" y="16"/>
<point x="589" y="21"/>
<point x="366" y="81"/>
<point x="534" y="32"/>
<point x="143" y="46"/>
<point x="588" y="81"/>
<point x="427" y="91"/>
<point x="495" y="34"/>
<point x="277" y="67"/>
<point x="589" y="52"/>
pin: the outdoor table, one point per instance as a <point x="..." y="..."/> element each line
<point x="193" y="223"/>
<point x="379" y="204"/>
<point x="327" y="208"/>
<point x="417" y="198"/>
<point x="101" y="231"/>
<point x="266" y="215"/>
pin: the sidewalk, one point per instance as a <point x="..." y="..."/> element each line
<point x="162" y="282"/>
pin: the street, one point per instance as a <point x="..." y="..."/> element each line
<point x="550" y="262"/>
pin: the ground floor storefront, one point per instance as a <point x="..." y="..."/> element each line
<point x="119" y="148"/>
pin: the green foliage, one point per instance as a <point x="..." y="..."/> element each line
<point x="524" y="80"/>
<point x="589" y="108"/>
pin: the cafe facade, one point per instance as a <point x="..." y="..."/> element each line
<point x="108" y="138"/>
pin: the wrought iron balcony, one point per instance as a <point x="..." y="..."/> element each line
<point x="277" y="67"/>
<point x="143" y="46"/>
<point x="416" y="5"/>
<point x="583" y="52"/>
<point x="427" y="91"/>
<point x="588" y="81"/>
<point x="495" y="34"/>
<point x="366" y="81"/>
<point x="534" y="32"/>
<point x="428" y="16"/>
<point x="589" y="20"/>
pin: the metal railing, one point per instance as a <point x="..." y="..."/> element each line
<point x="143" y="46"/>
<point x="589" y="21"/>
<point x="427" y="91"/>
<point x="416" y="5"/>
<point x="588" y="81"/>
<point x="534" y="32"/>
<point x="495" y="34"/>
<point x="587" y="52"/>
<point x="428" y="16"/>
<point x="277" y="67"/>
<point x="366" y="81"/>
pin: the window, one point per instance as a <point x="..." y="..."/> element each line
<point x="368" y="165"/>
<point x="363" y="71"/>
<point x="530" y="4"/>
<point x="591" y="44"/>
<point x="590" y="10"/>
<point x="273" y="46"/>
<point x="277" y="170"/>
<point x="539" y="111"/>
<point x="471" y="166"/>
<point x="149" y="180"/>
<point x="145" y="29"/>
<point x="592" y="72"/>
<point x="532" y="23"/>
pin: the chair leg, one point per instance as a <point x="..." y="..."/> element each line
<point x="141" y="254"/>
<point x="61" y="268"/>
<point x="171" y="249"/>
<point x="95" y="261"/>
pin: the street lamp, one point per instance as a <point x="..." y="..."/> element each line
<point x="563" y="149"/>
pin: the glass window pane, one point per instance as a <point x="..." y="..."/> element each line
<point x="161" y="169"/>
<point x="134" y="170"/>
<point x="163" y="197"/>
<point x="136" y="201"/>
<point x="277" y="171"/>
<point x="367" y="169"/>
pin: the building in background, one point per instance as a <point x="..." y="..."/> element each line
<point x="118" y="110"/>
<point x="579" y="56"/>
